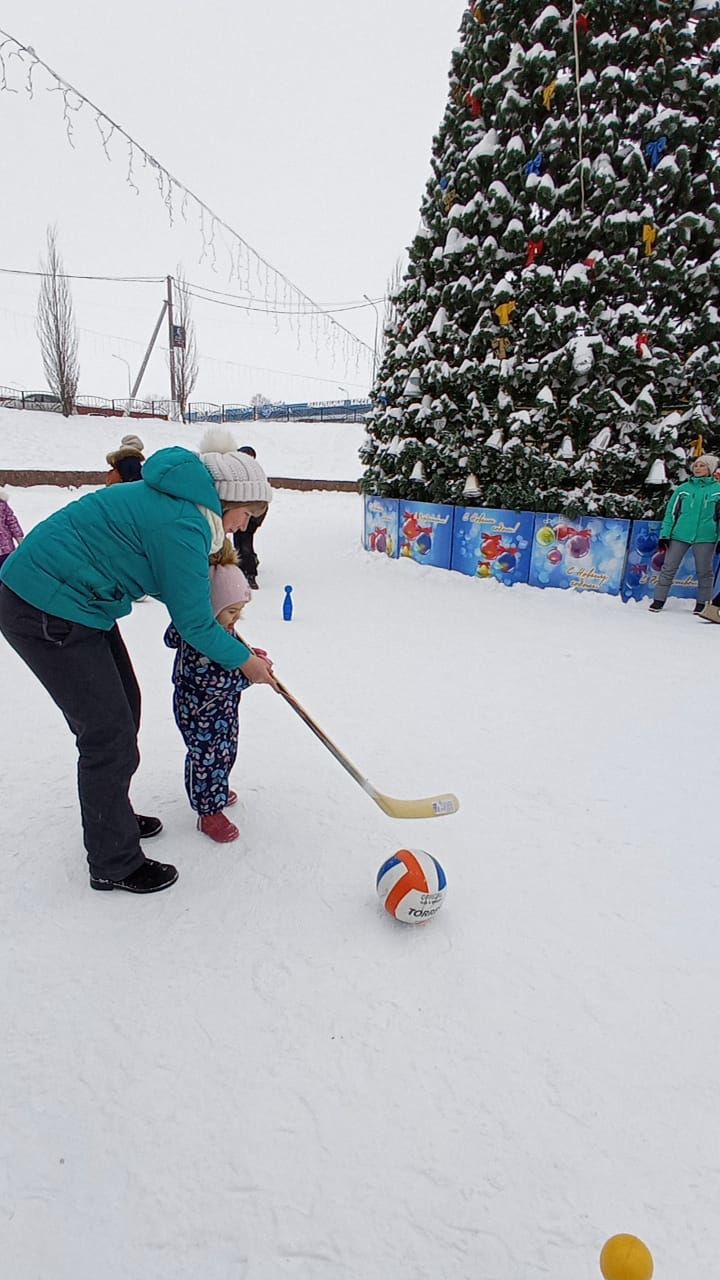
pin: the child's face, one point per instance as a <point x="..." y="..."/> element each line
<point x="229" y="616"/>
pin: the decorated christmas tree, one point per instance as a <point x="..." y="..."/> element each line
<point x="556" y="338"/>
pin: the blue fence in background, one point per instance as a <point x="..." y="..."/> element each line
<point x="305" y="411"/>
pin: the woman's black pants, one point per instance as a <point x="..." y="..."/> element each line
<point x="89" y="675"/>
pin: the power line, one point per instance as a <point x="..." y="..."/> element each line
<point x="241" y="305"/>
<point x="234" y="364"/>
<point x="354" y="304"/>
<point x="67" y="275"/>
<point x="244" y="304"/>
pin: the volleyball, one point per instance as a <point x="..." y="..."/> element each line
<point x="411" y="886"/>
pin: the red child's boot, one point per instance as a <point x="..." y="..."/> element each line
<point x="218" y="827"/>
<point x="232" y="799"/>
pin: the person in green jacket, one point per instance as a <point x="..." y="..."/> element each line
<point x="76" y="573"/>
<point x="692" y="519"/>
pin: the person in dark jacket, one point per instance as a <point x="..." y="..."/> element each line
<point x="244" y="539"/>
<point x="76" y="573"/>
<point x="126" y="463"/>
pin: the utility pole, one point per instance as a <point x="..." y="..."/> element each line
<point x="171" y="343"/>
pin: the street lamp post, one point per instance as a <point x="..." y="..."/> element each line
<point x="377" y="326"/>
<point x="127" y="366"/>
<point x="345" y="392"/>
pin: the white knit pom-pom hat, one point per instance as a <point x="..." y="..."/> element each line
<point x="236" y="476"/>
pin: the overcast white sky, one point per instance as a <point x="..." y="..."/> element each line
<point x="307" y="127"/>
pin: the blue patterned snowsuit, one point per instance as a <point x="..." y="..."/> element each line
<point x="205" y="702"/>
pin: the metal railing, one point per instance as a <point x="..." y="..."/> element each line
<point x="331" y="411"/>
<point x="306" y="411"/>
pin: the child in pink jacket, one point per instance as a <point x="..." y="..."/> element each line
<point x="10" y="531"/>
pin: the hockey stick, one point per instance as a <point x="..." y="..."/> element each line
<point x="429" y="807"/>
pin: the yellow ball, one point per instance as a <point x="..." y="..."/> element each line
<point x="626" y="1258"/>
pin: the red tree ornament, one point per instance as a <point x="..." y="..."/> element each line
<point x="474" y="104"/>
<point x="535" y="247"/>
<point x="641" y="343"/>
<point x="583" y="23"/>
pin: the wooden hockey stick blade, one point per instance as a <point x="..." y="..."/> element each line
<point x="429" y="807"/>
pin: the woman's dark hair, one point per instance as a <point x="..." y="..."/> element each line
<point x="129" y="469"/>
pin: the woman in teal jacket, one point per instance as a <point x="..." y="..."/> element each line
<point x="692" y="519"/>
<point x="77" y="572"/>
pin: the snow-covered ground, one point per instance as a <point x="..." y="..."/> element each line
<point x="49" y="442"/>
<point x="258" y="1075"/>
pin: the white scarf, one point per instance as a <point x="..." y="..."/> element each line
<point x="217" y="532"/>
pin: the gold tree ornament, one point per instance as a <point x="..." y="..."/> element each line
<point x="504" y="311"/>
<point x="548" y="94"/>
<point x="649" y="235"/>
<point x="501" y="347"/>
<point x="697" y="447"/>
<point x="478" y="13"/>
<point x="449" y="199"/>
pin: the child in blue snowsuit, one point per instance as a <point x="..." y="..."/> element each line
<point x="206" y="702"/>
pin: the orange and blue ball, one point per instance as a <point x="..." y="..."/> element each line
<point x="411" y="886"/>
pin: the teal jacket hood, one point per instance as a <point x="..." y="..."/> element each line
<point x="88" y="561"/>
<point x="182" y="474"/>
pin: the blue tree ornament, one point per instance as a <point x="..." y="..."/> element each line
<point x="654" y="151"/>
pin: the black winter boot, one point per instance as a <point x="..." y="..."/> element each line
<point x="148" y="826"/>
<point x="699" y="606"/>
<point x="656" y="605"/>
<point x="151" y="877"/>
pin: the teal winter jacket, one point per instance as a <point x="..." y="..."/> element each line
<point x="693" y="512"/>
<point x="91" y="560"/>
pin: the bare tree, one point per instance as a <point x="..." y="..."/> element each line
<point x="185" y="355"/>
<point x="56" y="328"/>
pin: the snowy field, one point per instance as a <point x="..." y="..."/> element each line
<point x="49" y="442"/>
<point x="257" y="1075"/>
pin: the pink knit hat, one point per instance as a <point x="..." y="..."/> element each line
<point x="228" y="585"/>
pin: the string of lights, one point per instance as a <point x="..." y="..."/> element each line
<point x="280" y="295"/>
